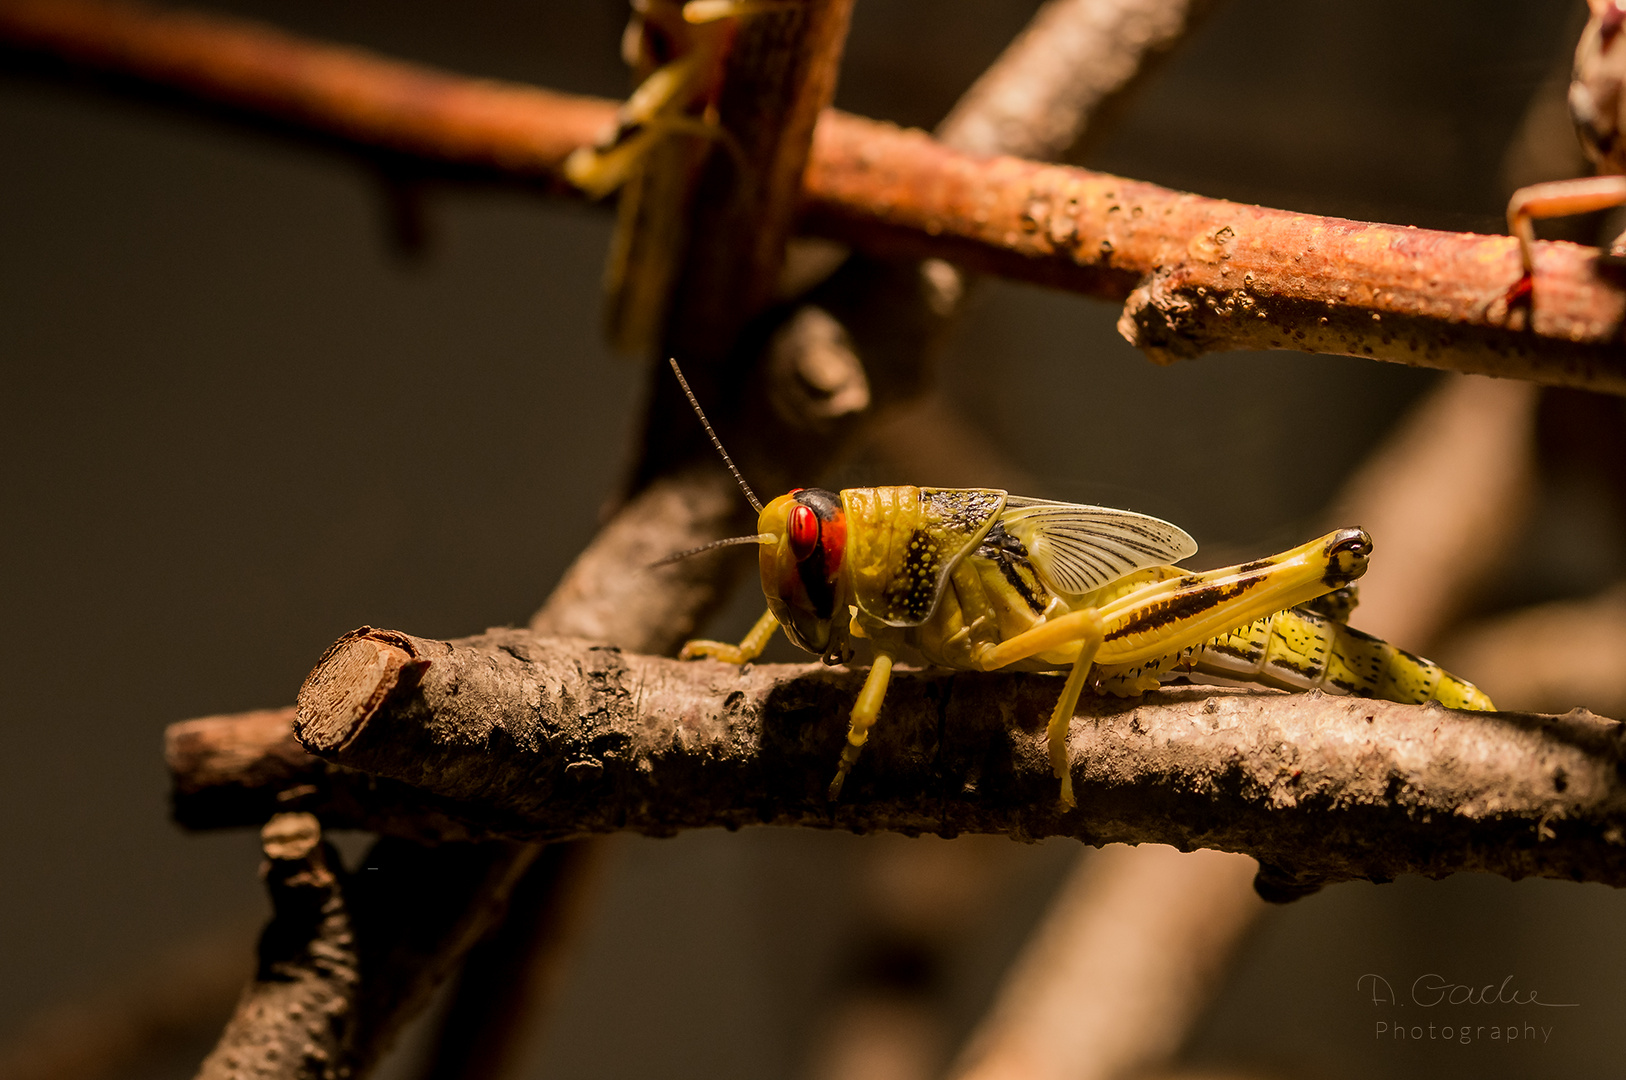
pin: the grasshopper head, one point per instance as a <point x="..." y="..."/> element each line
<point x="801" y="569"/>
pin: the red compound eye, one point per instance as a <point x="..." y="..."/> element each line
<point x="804" y="532"/>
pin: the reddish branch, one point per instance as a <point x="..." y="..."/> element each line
<point x="342" y="91"/>
<point x="1202" y="274"/>
<point x="1199" y="274"/>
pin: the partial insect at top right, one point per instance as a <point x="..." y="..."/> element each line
<point x="1598" y="107"/>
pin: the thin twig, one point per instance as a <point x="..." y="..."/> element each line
<point x="545" y="738"/>
<point x="1199" y="274"/>
<point x="1045" y="94"/>
<point x="339" y="91"/>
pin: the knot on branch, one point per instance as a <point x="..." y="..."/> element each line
<point x="1162" y="320"/>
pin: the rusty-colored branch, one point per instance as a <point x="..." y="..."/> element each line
<point x="340" y="91"/>
<point x="1046" y="91"/>
<point x="544" y="738"/>
<point x="1199" y="274"/>
<point x="1204" y="274"/>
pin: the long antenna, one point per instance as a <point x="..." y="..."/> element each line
<point x="758" y="538"/>
<point x="756" y="503"/>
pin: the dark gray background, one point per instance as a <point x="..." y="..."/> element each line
<point x="233" y="425"/>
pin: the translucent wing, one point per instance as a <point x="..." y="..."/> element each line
<point x="1077" y="549"/>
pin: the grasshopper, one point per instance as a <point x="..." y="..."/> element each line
<point x="978" y="579"/>
<point x="1598" y="109"/>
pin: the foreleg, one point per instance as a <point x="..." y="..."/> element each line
<point x="749" y="648"/>
<point x="865" y="711"/>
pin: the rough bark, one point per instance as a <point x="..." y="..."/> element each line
<point x="344" y="961"/>
<point x="546" y="739"/>
<point x="294" y="1017"/>
<point x="240" y="770"/>
<point x="1199" y="274"/>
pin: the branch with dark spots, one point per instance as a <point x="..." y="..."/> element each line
<point x="1200" y="275"/>
<point x="537" y="738"/>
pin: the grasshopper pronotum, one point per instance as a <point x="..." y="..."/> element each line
<point x="977" y="579"/>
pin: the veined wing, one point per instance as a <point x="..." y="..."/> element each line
<point x="1077" y="549"/>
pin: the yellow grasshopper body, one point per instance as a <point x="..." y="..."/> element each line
<point x="977" y="579"/>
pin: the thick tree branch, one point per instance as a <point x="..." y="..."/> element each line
<point x="242" y="769"/>
<point x="543" y="739"/>
<point x="1199" y="274"/>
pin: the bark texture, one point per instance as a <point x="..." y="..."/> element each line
<point x="545" y="739"/>
<point x="294" y="1017"/>
<point x="242" y="769"/>
<point x="345" y="961"/>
